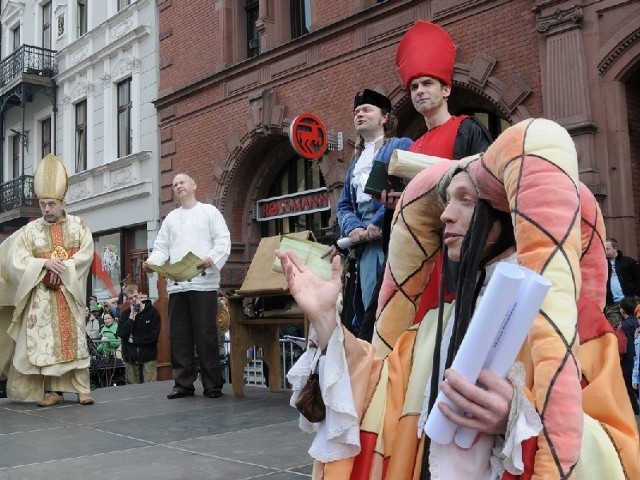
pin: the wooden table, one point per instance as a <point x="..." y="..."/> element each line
<point x="246" y="332"/>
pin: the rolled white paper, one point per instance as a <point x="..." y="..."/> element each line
<point x="511" y="336"/>
<point x="496" y="304"/>
<point x="344" y="242"/>
<point x="407" y="164"/>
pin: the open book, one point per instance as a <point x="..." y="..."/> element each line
<point x="309" y="252"/>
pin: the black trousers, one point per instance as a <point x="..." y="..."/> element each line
<point x="192" y="321"/>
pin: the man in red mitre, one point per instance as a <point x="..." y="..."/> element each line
<point x="425" y="60"/>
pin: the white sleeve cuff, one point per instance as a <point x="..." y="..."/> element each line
<point x="338" y="435"/>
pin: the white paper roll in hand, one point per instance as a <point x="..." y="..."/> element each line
<point x="344" y="242"/>
<point x="498" y="328"/>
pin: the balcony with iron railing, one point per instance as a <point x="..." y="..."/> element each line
<point x="16" y="194"/>
<point x="28" y="60"/>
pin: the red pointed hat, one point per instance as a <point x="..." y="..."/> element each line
<point x="426" y="50"/>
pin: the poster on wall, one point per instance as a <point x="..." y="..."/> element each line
<point x="107" y="267"/>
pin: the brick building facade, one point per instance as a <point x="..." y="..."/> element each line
<point x="234" y="73"/>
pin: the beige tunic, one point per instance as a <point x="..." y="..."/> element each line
<point x="42" y="338"/>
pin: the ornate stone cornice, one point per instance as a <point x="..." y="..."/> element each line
<point x="622" y="46"/>
<point x="560" y="20"/>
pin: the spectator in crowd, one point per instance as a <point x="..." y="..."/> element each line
<point x="92" y="326"/>
<point x="629" y="326"/>
<point x="93" y="300"/>
<point x="139" y="329"/>
<point x="635" y="374"/>
<point x="109" y="341"/>
<point x="97" y="311"/>
<point x="198" y="228"/>
<point x="359" y="214"/>
<point x="624" y="280"/>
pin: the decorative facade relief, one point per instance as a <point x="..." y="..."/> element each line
<point x="80" y="53"/>
<point x="12" y="13"/>
<point x="121" y="29"/>
<point x="122" y="176"/>
<point x="79" y="191"/>
<point x="110" y="183"/>
<point x="481" y="68"/>
<point x="80" y="89"/>
<point x="125" y="67"/>
<point x="59" y="14"/>
<point x="566" y="80"/>
<point x="265" y="113"/>
<point x="618" y="51"/>
<point x="105" y="80"/>
<point x="560" y="20"/>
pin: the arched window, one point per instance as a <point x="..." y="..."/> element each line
<point x="298" y="175"/>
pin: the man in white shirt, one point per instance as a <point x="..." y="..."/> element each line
<point x="201" y="229"/>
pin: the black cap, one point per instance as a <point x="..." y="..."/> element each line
<point x="372" y="98"/>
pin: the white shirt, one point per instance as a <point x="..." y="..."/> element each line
<point x="201" y="230"/>
<point x="362" y="169"/>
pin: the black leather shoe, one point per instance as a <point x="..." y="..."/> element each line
<point x="179" y="394"/>
<point x="213" y="394"/>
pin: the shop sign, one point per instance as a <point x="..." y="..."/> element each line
<point x="308" y="136"/>
<point x="309" y="201"/>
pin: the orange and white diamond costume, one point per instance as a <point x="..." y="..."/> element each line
<point x="571" y="373"/>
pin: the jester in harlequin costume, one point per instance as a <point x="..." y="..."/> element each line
<point x="425" y="60"/>
<point x="43" y="274"/>
<point x="568" y="417"/>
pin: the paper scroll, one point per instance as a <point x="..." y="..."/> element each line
<point x="407" y="164"/>
<point x="310" y="253"/>
<point x="496" y="333"/>
<point x="183" y="270"/>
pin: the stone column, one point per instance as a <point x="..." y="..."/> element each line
<point x="565" y="89"/>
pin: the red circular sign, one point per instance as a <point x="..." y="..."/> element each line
<point x="308" y="136"/>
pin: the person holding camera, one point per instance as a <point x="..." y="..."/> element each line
<point x="139" y="329"/>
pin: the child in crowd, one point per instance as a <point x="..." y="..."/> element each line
<point x="109" y="334"/>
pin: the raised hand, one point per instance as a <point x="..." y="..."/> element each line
<point x="316" y="297"/>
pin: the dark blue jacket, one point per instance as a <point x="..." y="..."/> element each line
<point x="346" y="208"/>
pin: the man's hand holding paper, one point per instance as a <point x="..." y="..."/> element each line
<point x="187" y="268"/>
